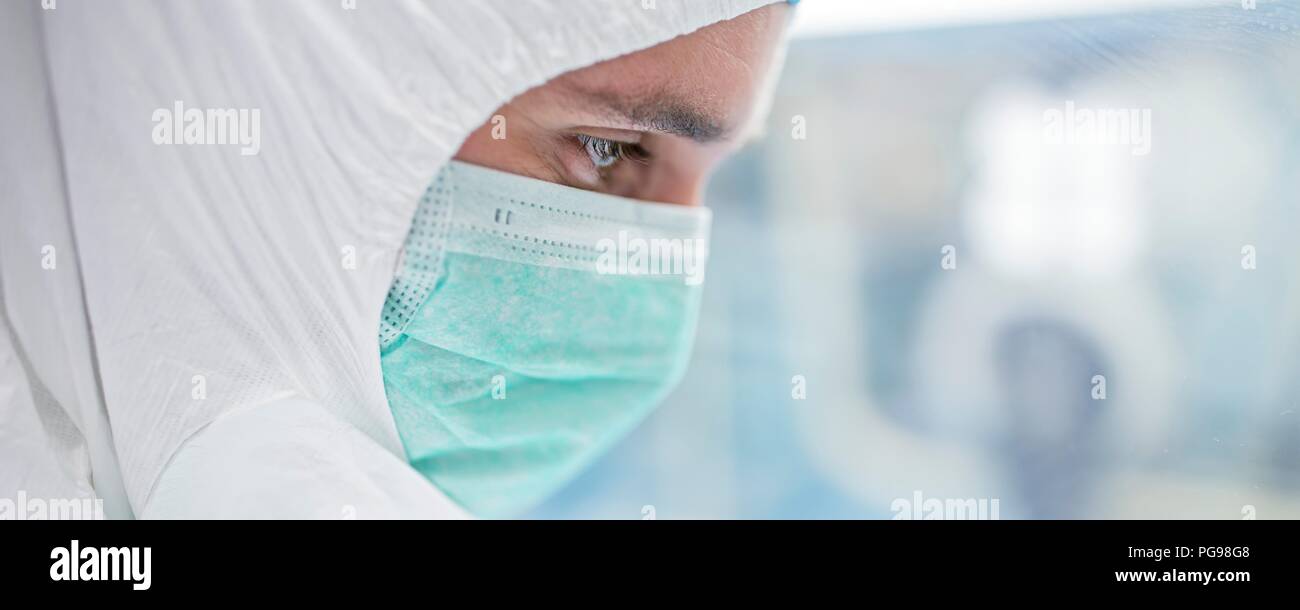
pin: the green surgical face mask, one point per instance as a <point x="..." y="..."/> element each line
<point x="530" y="327"/>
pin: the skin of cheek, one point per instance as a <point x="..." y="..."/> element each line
<point x="527" y="150"/>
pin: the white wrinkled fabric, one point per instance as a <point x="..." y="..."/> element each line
<point x="55" y="438"/>
<point x="195" y="267"/>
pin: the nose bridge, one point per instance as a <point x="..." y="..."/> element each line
<point x="681" y="188"/>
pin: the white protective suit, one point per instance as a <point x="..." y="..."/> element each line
<point x="191" y="332"/>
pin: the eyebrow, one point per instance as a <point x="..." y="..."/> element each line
<point x="663" y="113"/>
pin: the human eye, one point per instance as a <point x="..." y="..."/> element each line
<point x="606" y="153"/>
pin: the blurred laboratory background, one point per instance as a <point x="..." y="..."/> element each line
<point x="934" y="278"/>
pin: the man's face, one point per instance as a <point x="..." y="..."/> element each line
<point x="650" y="125"/>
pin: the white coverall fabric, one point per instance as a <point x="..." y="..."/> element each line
<point x="201" y="291"/>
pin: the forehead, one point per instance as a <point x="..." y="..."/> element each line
<point x="712" y="73"/>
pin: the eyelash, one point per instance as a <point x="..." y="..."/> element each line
<point x="604" y="153"/>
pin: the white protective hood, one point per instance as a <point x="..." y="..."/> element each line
<point x="194" y="288"/>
